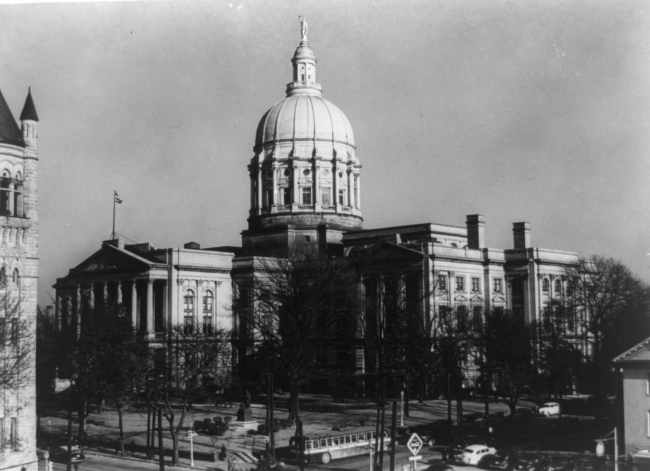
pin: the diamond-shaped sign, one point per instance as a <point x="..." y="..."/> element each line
<point x="414" y="444"/>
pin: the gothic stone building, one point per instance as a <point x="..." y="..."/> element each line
<point x="305" y="187"/>
<point x="18" y="279"/>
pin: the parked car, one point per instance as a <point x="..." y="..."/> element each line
<point x="61" y="455"/>
<point x="548" y="409"/>
<point x="504" y="459"/>
<point x="474" y="454"/>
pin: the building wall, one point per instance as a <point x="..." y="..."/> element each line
<point x="636" y="408"/>
<point x="19" y="251"/>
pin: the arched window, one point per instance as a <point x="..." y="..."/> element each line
<point x="208" y="303"/>
<point x="558" y="287"/>
<point x="545" y="285"/>
<point x="16" y="277"/>
<point x="188" y="309"/>
<point x="5" y="206"/>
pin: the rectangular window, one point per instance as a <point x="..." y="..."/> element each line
<point x="14" y="332"/>
<point x="497" y="285"/>
<point x="442" y="282"/>
<point x="460" y="283"/>
<point x="325" y="195"/>
<point x="341" y="196"/>
<point x="306" y="195"/>
<point x="477" y="317"/>
<point x="476" y="285"/>
<point x="189" y="324"/>
<point x="13" y="433"/>
<point x="286" y="196"/>
<point x="461" y="314"/>
<point x="207" y="325"/>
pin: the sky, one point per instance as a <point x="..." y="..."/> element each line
<point x="534" y="111"/>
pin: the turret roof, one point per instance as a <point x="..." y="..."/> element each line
<point x="29" y="110"/>
<point x="9" y="130"/>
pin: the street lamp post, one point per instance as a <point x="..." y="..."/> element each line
<point x="401" y="410"/>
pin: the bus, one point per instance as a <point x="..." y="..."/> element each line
<point x="323" y="449"/>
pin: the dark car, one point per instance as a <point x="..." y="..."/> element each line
<point x="61" y="455"/>
<point x="504" y="459"/>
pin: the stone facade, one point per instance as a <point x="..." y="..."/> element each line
<point x="19" y="273"/>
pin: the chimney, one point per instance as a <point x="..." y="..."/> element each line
<point x="475" y="231"/>
<point x="521" y="232"/>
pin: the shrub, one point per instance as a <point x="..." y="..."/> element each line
<point x="218" y="420"/>
<point x="227" y="419"/>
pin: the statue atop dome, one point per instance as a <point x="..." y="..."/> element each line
<point x="303" y="28"/>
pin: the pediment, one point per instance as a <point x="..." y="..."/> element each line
<point x="461" y="298"/>
<point x="476" y="299"/>
<point x="109" y="258"/>
<point x="499" y="298"/>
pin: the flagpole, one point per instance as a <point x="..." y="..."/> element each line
<point x="113" y="234"/>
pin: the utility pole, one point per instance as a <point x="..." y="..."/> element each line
<point x="392" y="434"/>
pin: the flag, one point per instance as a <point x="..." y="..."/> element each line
<point x="117" y="198"/>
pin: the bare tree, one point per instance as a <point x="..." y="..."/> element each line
<point x="507" y="344"/>
<point x="192" y="361"/>
<point x="601" y="292"/>
<point x="17" y="344"/>
<point x="299" y="309"/>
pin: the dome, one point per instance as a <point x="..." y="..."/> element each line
<point x="304" y="117"/>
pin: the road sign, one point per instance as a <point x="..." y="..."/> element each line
<point x="414" y="444"/>
<point x="191" y="433"/>
<point x="600" y="449"/>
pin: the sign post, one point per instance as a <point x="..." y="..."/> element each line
<point x="401" y="406"/>
<point x="414" y="445"/>
<point x="190" y="434"/>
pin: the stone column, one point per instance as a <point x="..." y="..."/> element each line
<point x="135" y="319"/>
<point x="335" y="185"/>
<point x="317" y="196"/>
<point x="274" y="194"/>
<point x="452" y="288"/>
<point x="252" y="177"/>
<point x="77" y="314"/>
<point x="91" y="296"/>
<point x="150" y="320"/>
<point x="198" y="310"/>
<point x="295" y="197"/>
<point x="12" y="197"/>
<point x="357" y="189"/>
<point x="165" y="305"/>
<point x="105" y="292"/>
<point x="259" y="189"/>
<point x="119" y="292"/>
<point x="349" y="189"/>
<point x="68" y="312"/>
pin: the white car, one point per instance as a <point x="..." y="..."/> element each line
<point x="548" y="409"/>
<point x="473" y="454"/>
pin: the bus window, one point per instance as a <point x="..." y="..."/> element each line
<point x="314" y="443"/>
<point x="370" y="435"/>
<point x="322" y="443"/>
<point x="362" y="437"/>
<point x="353" y="437"/>
<point x="335" y="441"/>
<point x="347" y="439"/>
<point x="329" y="442"/>
<point x="308" y="445"/>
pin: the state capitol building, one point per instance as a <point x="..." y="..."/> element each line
<point x="305" y="188"/>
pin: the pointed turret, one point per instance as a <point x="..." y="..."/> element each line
<point x="29" y="110"/>
<point x="9" y="130"/>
